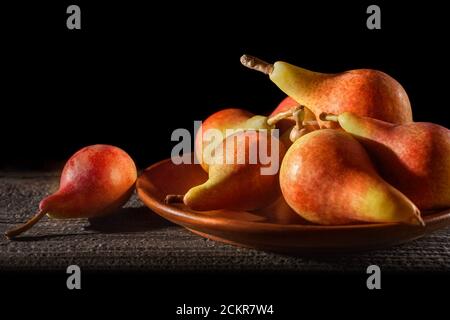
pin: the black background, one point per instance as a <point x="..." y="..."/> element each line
<point x="137" y="71"/>
<point x="157" y="295"/>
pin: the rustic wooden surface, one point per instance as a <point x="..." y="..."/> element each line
<point x="137" y="239"/>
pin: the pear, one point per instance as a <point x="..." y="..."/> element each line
<point x="236" y="181"/>
<point x="224" y="119"/>
<point x="413" y="157"/>
<point x="365" y="92"/>
<point x="327" y="178"/>
<point x="95" y="181"/>
<point x="235" y="178"/>
<point x="233" y="119"/>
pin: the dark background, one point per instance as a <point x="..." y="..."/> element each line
<point x="135" y="72"/>
<point x="293" y="296"/>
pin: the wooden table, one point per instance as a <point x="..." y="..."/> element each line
<point x="137" y="239"/>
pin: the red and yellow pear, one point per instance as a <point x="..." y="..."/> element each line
<point x="224" y="119"/>
<point x="227" y="121"/>
<point x="327" y="178"/>
<point x="95" y="181"/>
<point x="234" y="180"/>
<point x="413" y="157"/>
<point x="365" y="92"/>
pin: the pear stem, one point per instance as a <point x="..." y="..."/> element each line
<point x="328" y="117"/>
<point x="256" y="64"/>
<point x="298" y="130"/>
<point x="310" y="123"/>
<point x="27" y="225"/>
<point x="419" y="221"/>
<point x="299" y="116"/>
<point x="283" y="115"/>
<point x="174" y="198"/>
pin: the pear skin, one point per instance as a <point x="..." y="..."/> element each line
<point x="366" y="92"/>
<point x="414" y="157"/>
<point x="327" y="178"/>
<point x="95" y="181"/>
<point x="221" y="120"/>
<point x="238" y="186"/>
<point x="229" y="121"/>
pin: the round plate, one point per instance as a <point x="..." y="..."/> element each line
<point x="275" y="229"/>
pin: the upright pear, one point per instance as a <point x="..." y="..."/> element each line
<point x="413" y="157"/>
<point x="327" y="177"/>
<point x="366" y="92"/>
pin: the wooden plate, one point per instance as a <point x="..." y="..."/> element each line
<point x="268" y="230"/>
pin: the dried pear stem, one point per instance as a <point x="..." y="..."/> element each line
<point x="283" y="115"/>
<point x="27" y="225"/>
<point x="311" y="123"/>
<point x="298" y="130"/>
<point x="299" y="116"/>
<point x="328" y="117"/>
<point x="256" y="64"/>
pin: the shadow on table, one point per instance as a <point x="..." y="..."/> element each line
<point x="28" y="238"/>
<point x="128" y="220"/>
<point x="125" y="220"/>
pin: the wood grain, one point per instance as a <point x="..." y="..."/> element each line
<point x="136" y="238"/>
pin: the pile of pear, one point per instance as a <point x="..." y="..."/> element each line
<point x="349" y="148"/>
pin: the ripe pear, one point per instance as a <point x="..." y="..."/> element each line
<point x="224" y="119"/>
<point x="366" y="92"/>
<point x="95" y="181"/>
<point x="234" y="184"/>
<point x="413" y="157"/>
<point x="327" y="178"/>
<point x="232" y="119"/>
